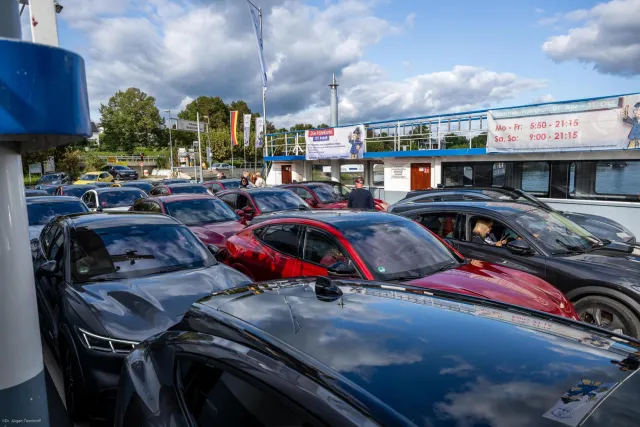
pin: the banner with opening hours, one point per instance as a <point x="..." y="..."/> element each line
<point x="602" y="124"/>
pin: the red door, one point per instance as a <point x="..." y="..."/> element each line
<point x="286" y="174"/>
<point x="420" y="176"/>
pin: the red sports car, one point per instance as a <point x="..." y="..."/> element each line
<point x="251" y="202"/>
<point x="327" y="194"/>
<point x="379" y="246"/>
<point x="208" y="217"/>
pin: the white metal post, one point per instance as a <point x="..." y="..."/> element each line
<point x="170" y="143"/>
<point x="199" y="146"/>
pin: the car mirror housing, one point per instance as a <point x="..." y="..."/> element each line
<point x="341" y="269"/>
<point x="213" y="249"/>
<point x="48" y="269"/>
<point x="326" y="290"/>
<point x="519" y="247"/>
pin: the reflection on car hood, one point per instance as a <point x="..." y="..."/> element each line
<point x="441" y="362"/>
<point x="217" y="233"/>
<point x="601" y="227"/>
<point x="608" y="262"/>
<point x="498" y="283"/>
<point x="135" y="309"/>
<point x="118" y="209"/>
<point x="34" y="231"/>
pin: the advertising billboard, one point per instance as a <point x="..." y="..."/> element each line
<point x="335" y="143"/>
<point x="601" y="124"/>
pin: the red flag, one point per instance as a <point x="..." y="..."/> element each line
<point x="234" y="126"/>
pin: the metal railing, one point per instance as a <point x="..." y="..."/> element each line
<point x="422" y="133"/>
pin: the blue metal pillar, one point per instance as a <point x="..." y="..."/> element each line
<point x="43" y="104"/>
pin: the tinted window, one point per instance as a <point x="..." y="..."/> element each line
<point x="190" y="189"/>
<point x="328" y="193"/>
<point x="89" y="177"/>
<point x="229" y="199"/>
<point x="217" y="398"/>
<point x="283" y="238"/>
<point x="442" y="224"/>
<point x="76" y="191"/>
<point x="535" y="177"/>
<point x="242" y="201"/>
<point x="322" y="249"/>
<point x="89" y="197"/>
<point x="302" y="192"/>
<point x="556" y="232"/>
<point x="458" y="175"/>
<point x="115" y="199"/>
<point x="42" y="213"/>
<point x="104" y="175"/>
<point x="155" y="192"/>
<point x="50" y="178"/>
<point x="499" y="174"/>
<point x="144" y="186"/>
<point x="201" y="211"/>
<point x="134" y="251"/>
<point x="121" y="168"/>
<point x="278" y="201"/>
<point x="214" y="187"/>
<point x="399" y="249"/>
<point x="55" y="249"/>
<point x="231" y="184"/>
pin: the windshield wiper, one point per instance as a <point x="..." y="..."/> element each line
<point x="444" y="268"/>
<point x="409" y="275"/>
<point x="572" y="248"/>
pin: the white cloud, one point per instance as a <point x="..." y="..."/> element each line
<point x="176" y="50"/>
<point x="538" y="10"/>
<point x="609" y="38"/>
<point x="544" y="98"/>
<point x="411" y="20"/>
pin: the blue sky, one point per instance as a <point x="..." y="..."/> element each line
<point x="393" y="58"/>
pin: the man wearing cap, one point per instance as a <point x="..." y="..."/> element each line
<point x="360" y="198"/>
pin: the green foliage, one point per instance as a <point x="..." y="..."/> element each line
<point x="71" y="163"/>
<point x="301" y="126"/>
<point x="131" y="118"/>
<point x="213" y="107"/>
<point x="479" y="141"/>
<point x="162" y="162"/>
<point x="93" y="163"/>
<point x="455" y="141"/>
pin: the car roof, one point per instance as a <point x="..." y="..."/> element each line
<point x="418" y="353"/>
<point x="183" y="197"/>
<point x="341" y="219"/>
<point x="119" y="189"/>
<point x="116" y="219"/>
<point x="507" y="208"/>
<point x="64" y="187"/>
<point x="51" y="199"/>
<point x="182" y="184"/>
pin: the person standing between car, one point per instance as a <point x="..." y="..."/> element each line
<point x="259" y="181"/>
<point x="221" y="176"/>
<point x="360" y="198"/>
<point x="244" y="182"/>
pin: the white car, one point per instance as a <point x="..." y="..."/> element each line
<point x="112" y="198"/>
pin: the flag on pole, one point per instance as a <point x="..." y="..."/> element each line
<point x="259" y="131"/>
<point x="234" y="126"/>
<point x="247" y="129"/>
<point x="256" y="26"/>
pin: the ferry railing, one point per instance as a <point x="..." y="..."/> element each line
<point x="423" y="133"/>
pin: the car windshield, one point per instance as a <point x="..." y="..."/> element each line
<point x="272" y="201"/>
<point x="399" y="250"/>
<point x="190" y="189"/>
<point x="118" y="199"/>
<point x="558" y="233"/>
<point x="144" y="186"/>
<point x="76" y="191"/>
<point x="42" y="213"/>
<point x="89" y="177"/>
<point x="328" y="193"/>
<point x="134" y="250"/>
<point x="122" y="168"/>
<point x="201" y="211"/>
<point x="50" y="178"/>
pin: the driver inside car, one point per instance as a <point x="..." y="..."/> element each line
<point x="482" y="234"/>
<point x="332" y="256"/>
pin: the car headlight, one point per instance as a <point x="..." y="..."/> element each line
<point x="100" y="343"/>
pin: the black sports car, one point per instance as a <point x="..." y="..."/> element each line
<point x="312" y="352"/>
<point x="601" y="278"/>
<point x="105" y="282"/>
<point x="120" y="172"/>
<point x="43" y="209"/>
<point x="599" y="226"/>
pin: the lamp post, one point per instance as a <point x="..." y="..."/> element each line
<point x="209" y="154"/>
<point x="170" y="143"/>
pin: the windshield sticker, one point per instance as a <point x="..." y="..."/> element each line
<point x="577" y="403"/>
<point x="381" y="269"/>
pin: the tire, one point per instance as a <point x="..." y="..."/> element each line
<point x="74" y="393"/>
<point x="613" y="315"/>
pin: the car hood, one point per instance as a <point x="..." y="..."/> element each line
<point x="217" y="233"/>
<point x="334" y="205"/>
<point x="607" y="262"/>
<point x="118" y="209"/>
<point x="34" y="231"/>
<point x="135" y="309"/>
<point x="499" y="283"/>
<point x="601" y="227"/>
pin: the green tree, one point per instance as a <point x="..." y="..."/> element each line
<point x="241" y="107"/>
<point x="162" y="162"/>
<point x="131" y="119"/>
<point x="479" y="141"/>
<point x="322" y="126"/>
<point x="451" y="140"/>
<point x="213" y="107"/>
<point x="93" y="163"/>
<point x="301" y="126"/>
<point x="71" y="163"/>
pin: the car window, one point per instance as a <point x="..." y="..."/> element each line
<point x="400" y="249"/>
<point x="556" y="232"/>
<point x="141" y="207"/>
<point x="283" y="238"/>
<point x="271" y="201"/>
<point x="56" y="244"/>
<point x="329" y="193"/>
<point x="487" y="231"/>
<point x="155" y="191"/>
<point x="106" y="168"/>
<point x="129" y="251"/>
<point x="76" y="191"/>
<point x="442" y="224"/>
<point x="46" y="237"/>
<point x="201" y="211"/>
<point x="116" y="198"/>
<point x="190" y="189"/>
<point x="229" y="199"/>
<point x="89" y="197"/>
<point x="302" y="192"/>
<point x="42" y="213"/>
<point x="89" y="177"/>
<point x="320" y="248"/>
<point x="214" y="187"/>
<point x="232" y="184"/>
<point x="242" y="201"/>
<point x="216" y="397"/>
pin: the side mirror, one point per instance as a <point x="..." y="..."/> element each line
<point x="91" y="205"/>
<point x="48" y="269"/>
<point x="519" y="247"/>
<point x="326" y="290"/>
<point x="213" y="249"/>
<point x="303" y="208"/>
<point x="341" y="269"/>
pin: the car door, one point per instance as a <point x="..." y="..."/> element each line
<point x="533" y="263"/>
<point x="229" y="199"/>
<point x="52" y="249"/>
<point x="321" y="250"/>
<point x="245" y="207"/>
<point x="278" y="256"/>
